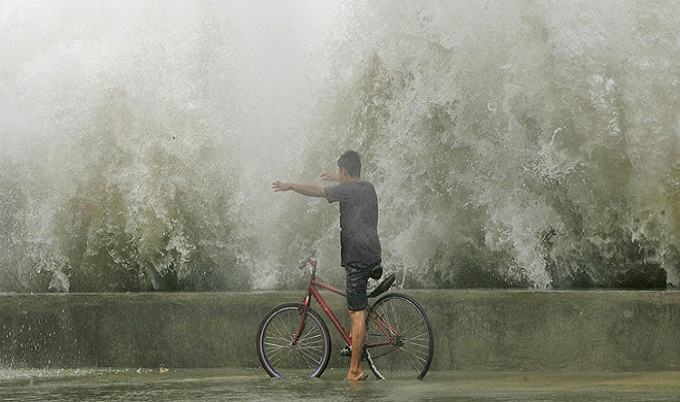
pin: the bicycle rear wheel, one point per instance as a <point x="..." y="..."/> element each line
<point x="279" y="356"/>
<point x="399" y="337"/>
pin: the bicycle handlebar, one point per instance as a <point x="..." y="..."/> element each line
<point x="305" y="261"/>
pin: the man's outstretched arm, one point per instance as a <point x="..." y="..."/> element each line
<point x="309" y="190"/>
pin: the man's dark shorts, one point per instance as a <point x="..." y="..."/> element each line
<point x="356" y="281"/>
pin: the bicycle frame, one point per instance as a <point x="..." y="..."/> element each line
<point x="313" y="291"/>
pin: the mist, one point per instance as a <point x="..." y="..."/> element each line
<point x="512" y="144"/>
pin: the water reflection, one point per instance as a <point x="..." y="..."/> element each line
<point x="252" y="385"/>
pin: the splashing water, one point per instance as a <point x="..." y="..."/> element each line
<point x="133" y="135"/>
<point x="516" y="143"/>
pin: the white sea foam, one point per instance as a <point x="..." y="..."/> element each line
<point x="519" y="141"/>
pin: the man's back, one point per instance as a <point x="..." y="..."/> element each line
<point x="358" y="221"/>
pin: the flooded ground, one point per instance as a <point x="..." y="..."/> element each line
<point x="254" y="385"/>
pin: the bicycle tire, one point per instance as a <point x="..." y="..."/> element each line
<point x="411" y="348"/>
<point x="279" y="357"/>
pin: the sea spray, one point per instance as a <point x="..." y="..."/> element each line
<point x="518" y="143"/>
<point x="130" y="145"/>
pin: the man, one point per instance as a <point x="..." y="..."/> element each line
<point x="359" y="241"/>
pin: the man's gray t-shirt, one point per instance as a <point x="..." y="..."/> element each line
<point x="358" y="222"/>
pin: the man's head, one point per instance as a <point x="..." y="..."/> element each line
<point x="351" y="162"/>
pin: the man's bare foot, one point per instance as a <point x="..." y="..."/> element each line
<point x="360" y="377"/>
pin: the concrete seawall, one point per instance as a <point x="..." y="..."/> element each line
<point x="474" y="330"/>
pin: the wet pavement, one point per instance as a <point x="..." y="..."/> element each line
<point x="254" y="385"/>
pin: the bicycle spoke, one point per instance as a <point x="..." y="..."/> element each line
<point x="279" y="356"/>
<point x="307" y="355"/>
<point x="402" y="324"/>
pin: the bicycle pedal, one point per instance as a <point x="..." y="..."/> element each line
<point x="346" y="351"/>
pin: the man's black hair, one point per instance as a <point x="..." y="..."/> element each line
<point x="351" y="161"/>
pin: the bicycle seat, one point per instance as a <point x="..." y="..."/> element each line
<point x="384" y="285"/>
<point x="376" y="272"/>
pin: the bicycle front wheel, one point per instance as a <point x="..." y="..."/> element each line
<point x="280" y="357"/>
<point x="399" y="337"/>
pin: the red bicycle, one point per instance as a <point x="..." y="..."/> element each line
<point x="293" y="339"/>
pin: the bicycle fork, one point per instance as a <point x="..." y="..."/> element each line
<point x="303" y="321"/>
